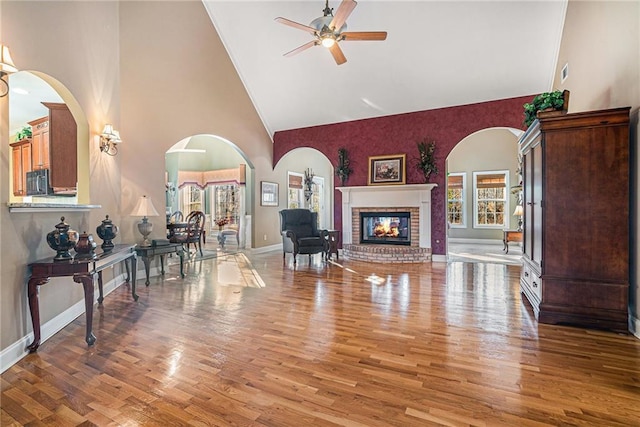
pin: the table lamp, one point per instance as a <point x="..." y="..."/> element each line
<point x="145" y="209"/>
<point x="519" y="212"/>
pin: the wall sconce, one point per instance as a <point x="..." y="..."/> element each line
<point x="6" y="67"/>
<point x="109" y="140"/>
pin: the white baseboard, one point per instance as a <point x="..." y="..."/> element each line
<point x="438" y="258"/>
<point x="265" y="249"/>
<point x="476" y="241"/>
<point x="16" y="351"/>
<point x="634" y="326"/>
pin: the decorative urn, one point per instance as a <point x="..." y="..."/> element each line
<point x="62" y="240"/>
<point x="85" y="247"/>
<point x="107" y="231"/>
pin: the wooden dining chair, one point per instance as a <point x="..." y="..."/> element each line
<point x="191" y="232"/>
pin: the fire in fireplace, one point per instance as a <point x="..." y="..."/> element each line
<point x="386" y="228"/>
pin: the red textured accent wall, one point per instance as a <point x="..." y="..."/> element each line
<point x="399" y="134"/>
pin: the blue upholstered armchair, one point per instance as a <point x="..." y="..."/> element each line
<point x="300" y="234"/>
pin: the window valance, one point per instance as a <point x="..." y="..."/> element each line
<point x="203" y="179"/>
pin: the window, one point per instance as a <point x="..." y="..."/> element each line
<point x="456" y="183"/>
<point x="191" y="199"/>
<point x="295" y="198"/>
<point x="490" y="204"/>
<point x="226" y="202"/>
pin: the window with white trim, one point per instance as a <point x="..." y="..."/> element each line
<point x="456" y="185"/>
<point x="490" y="199"/>
<point x="191" y="199"/>
<point x="295" y="195"/>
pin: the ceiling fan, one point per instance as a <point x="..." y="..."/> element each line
<point x="328" y="30"/>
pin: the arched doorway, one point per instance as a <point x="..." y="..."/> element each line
<point x="211" y="174"/>
<point x="483" y="175"/>
<point x="301" y="162"/>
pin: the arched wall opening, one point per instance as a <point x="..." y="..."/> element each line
<point x="482" y="154"/>
<point x="217" y="171"/>
<point x="292" y="166"/>
<point x="29" y="89"/>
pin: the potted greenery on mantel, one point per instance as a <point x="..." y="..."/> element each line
<point x="546" y="104"/>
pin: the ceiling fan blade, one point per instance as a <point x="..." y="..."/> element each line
<point x="294" y="24"/>
<point x="363" y="35"/>
<point x="301" y="48"/>
<point x="343" y="12"/>
<point x="337" y="54"/>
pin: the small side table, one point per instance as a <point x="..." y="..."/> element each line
<point x="148" y="252"/>
<point x="333" y="239"/>
<point x="511" y="236"/>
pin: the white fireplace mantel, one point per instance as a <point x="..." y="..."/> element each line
<point x="388" y="196"/>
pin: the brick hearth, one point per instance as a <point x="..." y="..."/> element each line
<point x="386" y="253"/>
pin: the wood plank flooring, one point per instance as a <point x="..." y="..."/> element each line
<point x="346" y="344"/>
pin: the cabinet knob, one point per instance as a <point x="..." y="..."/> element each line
<point x="535" y="285"/>
<point x="526" y="274"/>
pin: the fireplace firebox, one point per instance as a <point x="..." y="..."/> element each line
<point x="385" y="228"/>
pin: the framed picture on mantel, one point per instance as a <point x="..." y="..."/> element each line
<point x="385" y="170"/>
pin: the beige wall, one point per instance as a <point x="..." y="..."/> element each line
<point x="158" y="72"/>
<point x="83" y="58"/>
<point x="601" y="43"/>
<point x="177" y="81"/>
<point x="487" y="150"/>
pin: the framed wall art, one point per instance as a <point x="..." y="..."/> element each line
<point x="268" y="193"/>
<point x="391" y="169"/>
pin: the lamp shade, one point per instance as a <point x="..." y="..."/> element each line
<point x="518" y="211"/>
<point x="144" y="208"/>
<point x="6" y="63"/>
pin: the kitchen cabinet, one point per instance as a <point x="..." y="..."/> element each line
<point x="21" y="157"/>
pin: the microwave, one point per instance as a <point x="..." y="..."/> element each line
<point x="38" y="183"/>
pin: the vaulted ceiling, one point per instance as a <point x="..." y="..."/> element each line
<point x="437" y="54"/>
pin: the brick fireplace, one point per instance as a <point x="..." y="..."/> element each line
<point x="412" y="198"/>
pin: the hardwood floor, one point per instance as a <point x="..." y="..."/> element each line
<point x="347" y="344"/>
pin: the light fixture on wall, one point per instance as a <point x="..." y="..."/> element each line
<point x="109" y="140"/>
<point x="519" y="212"/>
<point x="145" y="209"/>
<point x="6" y="67"/>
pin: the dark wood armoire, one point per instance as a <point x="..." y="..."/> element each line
<point x="576" y="171"/>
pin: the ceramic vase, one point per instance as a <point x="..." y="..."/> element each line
<point x="85" y="247"/>
<point x="107" y="231"/>
<point x="62" y="240"/>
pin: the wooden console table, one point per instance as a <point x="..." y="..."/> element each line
<point x="83" y="271"/>
<point x="148" y="252"/>
<point x="511" y="236"/>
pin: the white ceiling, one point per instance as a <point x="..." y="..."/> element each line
<point x="437" y="54"/>
<point x="24" y="107"/>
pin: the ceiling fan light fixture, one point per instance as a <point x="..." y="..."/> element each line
<point x="328" y="41"/>
<point x="328" y="30"/>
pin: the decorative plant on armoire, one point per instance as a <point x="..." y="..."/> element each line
<point x="548" y="104"/>
<point x="426" y="162"/>
<point x="343" y="170"/>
